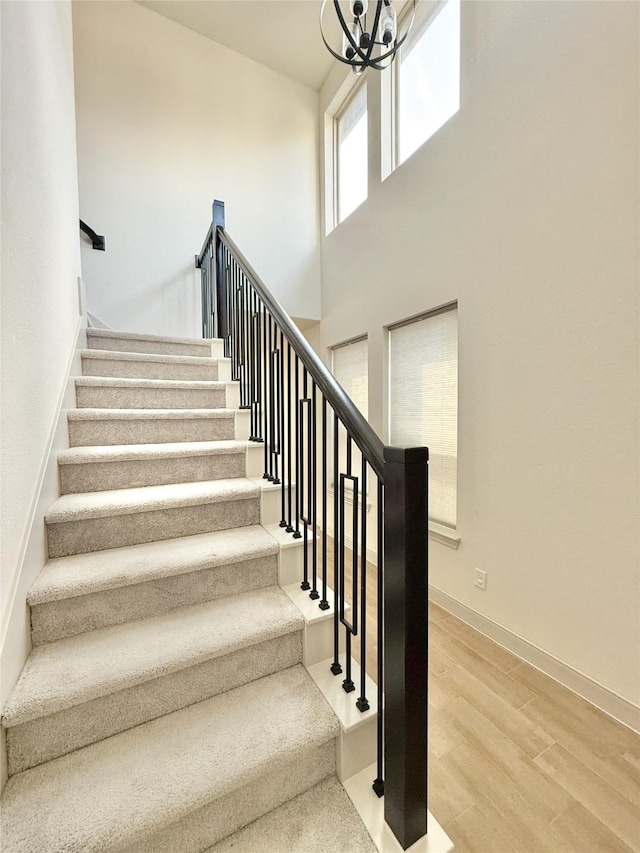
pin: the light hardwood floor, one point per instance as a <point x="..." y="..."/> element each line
<point x="516" y="761"/>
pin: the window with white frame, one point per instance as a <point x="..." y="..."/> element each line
<point x="349" y="364"/>
<point x="423" y="401"/>
<point x="427" y="76"/>
<point x="351" y="160"/>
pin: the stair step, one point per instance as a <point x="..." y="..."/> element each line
<point x="321" y="819"/>
<point x="181" y="782"/>
<point x="101" y="392"/>
<point x="89" y="426"/>
<point x="106" y="339"/>
<point x="90" y="591"/>
<point x="148" y="365"/>
<point x="95" y="521"/>
<point x="81" y="689"/>
<point x="90" y="469"/>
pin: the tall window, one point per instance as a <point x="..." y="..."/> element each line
<point x="428" y="78"/>
<point x="351" y="153"/>
<point x="351" y="369"/>
<point x="423" y="404"/>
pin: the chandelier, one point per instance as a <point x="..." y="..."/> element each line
<point x="371" y="39"/>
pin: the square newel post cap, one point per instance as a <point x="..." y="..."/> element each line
<point x="406" y="455"/>
<point x="218" y="214"/>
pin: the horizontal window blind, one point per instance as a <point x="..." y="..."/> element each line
<point x="423" y="389"/>
<point x="351" y="369"/>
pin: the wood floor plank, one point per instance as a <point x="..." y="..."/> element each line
<point x="437" y="635"/>
<point x="436" y="613"/>
<point x="613" y="769"/>
<point x="587" y="788"/>
<point x="474" y="831"/>
<point x="543" y="792"/>
<point x="444" y="736"/>
<point x="529" y="736"/>
<point x="447" y="797"/>
<point x="440" y="694"/>
<point x="597" y="722"/>
<point x="481" y="645"/>
<point x="586" y="834"/>
<point x="505" y="805"/>
<point x="439" y="660"/>
<point x="512" y="691"/>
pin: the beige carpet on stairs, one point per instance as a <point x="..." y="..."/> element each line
<point x="164" y="707"/>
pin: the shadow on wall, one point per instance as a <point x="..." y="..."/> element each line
<point x="168" y="306"/>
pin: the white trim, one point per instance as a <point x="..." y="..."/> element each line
<point x="44" y="464"/>
<point x="444" y="535"/>
<point x="15" y="639"/>
<point x="597" y="694"/>
<point x="371" y="811"/>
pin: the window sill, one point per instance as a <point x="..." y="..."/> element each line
<point x="348" y="497"/>
<point x="444" y="535"/>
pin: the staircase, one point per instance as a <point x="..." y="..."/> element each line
<point x="164" y="706"/>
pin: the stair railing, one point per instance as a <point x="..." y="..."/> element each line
<point x="320" y="450"/>
<point x="97" y="240"/>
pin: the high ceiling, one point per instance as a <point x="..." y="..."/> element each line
<point x="281" y="34"/>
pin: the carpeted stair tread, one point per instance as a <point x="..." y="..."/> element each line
<point x="83" y="574"/>
<point x="115" y="792"/>
<point x="148" y="499"/>
<point x="90" y="414"/>
<point x="141" y="452"/>
<point x="123" y="382"/>
<point x="321" y="819"/>
<point x="156" y="358"/>
<point x="75" y="670"/>
<point x="109" y="334"/>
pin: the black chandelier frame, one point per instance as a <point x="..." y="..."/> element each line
<point x="364" y="55"/>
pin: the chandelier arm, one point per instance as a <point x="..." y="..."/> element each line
<point x="333" y="53"/>
<point x="346" y="31"/>
<point x="374" y="29"/>
<point x="398" y="45"/>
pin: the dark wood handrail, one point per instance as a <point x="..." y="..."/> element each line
<point x="97" y="240"/>
<point x="357" y="426"/>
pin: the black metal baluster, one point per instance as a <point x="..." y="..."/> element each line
<point x="297" y="534"/>
<point x="252" y="366"/>
<point x="275" y="407"/>
<point x="305" y="518"/>
<point x="258" y="354"/>
<point x="378" y="783"/>
<point x="265" y="392"/>
<point x="283" y="520"/>
<point x="324" y="604"/>
<point x="347" y="685"/>
<point x="271" y="477"/>
<point x="242" y="341"/>
<point x="234" y="322"/>
<point x="362" y="704"/>
<point x="228" y="342"/>
<point x="313" y="495"/>
<point x="336" y="669"/>
<point x="290" y="485"/>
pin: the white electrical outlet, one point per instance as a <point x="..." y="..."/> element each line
<point x="481" y="579"/>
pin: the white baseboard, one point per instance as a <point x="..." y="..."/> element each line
<point x="602" y="697"/>
<point x="15" y="642"/>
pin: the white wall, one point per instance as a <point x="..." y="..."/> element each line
<point x="39" y="313"/>
<point x="168" y="120"/>
<point x="524" y="208"/>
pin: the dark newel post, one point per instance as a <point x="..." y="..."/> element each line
<point x="405" y="640"/>
<point x="221" y="277"/>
